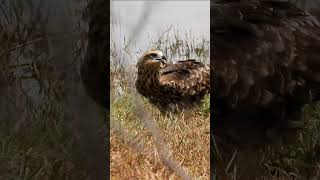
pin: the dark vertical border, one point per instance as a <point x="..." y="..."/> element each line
<point x="95" y="75"/>
<point x="212" y="163"/>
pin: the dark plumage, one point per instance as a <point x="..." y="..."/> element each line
<point x="171" y="87"/>
<point x="266" y="63"/>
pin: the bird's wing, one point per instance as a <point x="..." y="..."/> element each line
<point x="264" y="52"/>
<point x="188" y="77"/>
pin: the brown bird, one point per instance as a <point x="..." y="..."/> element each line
<point x="266" y="68"/>
<point x="266" y="62"/>
<point x="171" y="87"/>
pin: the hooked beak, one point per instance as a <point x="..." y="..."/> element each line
<point x="163" y="59"/>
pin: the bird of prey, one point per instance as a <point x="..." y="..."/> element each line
<point x="171" y="87"/>
<point x="266" y="62"/>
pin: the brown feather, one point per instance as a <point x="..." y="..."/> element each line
<point x="173" y="87"/>
<point x="265" y="56"/>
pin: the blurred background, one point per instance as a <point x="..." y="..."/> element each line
<point x="49" y="129"/>
<point x="139" y="23"/>
<point x="144" y="143"/>
<point x="48" y="126"/>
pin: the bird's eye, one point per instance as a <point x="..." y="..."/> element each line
<point x="153" y="54"/>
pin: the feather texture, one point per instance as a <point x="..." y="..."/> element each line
<point x="266" y="63"/>
<point x="172" y="87"/>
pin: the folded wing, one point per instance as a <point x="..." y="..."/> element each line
<point x="189" y="77"/>
<point x="266" y="63"/>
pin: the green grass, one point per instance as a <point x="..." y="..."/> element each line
<point x="301" y="159"/>
<point x="184" y="137"/>
<point x="37" y="140"/>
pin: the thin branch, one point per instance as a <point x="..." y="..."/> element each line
<point x="57" y="36"/>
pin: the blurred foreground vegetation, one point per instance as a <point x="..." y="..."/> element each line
<point x="135" y="152"/>
<point x="37" y="138"/>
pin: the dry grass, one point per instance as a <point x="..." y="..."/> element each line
<point x="146" y="144"/>
<point x="37" y="137"/>
<point x="186" y="137"/>
<point x="297" y="160"/>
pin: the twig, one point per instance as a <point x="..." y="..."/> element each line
<point x="231" y="161"/>
<point x="66" y="36"/>
<point x="163" y="150"/>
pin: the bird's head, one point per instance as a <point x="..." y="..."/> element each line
<point x="152" y="60"/>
